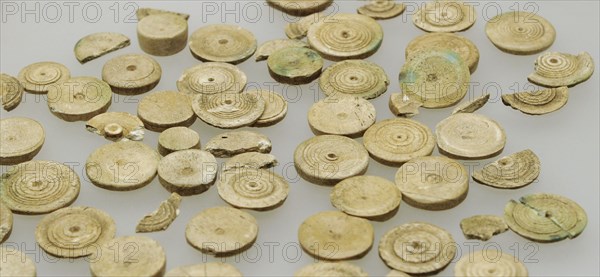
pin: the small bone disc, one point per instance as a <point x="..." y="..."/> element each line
<point x="396" y="141"/>
<point x="74" y="231"/>
<point x="433" y="183"/>
<point x="355" y="78"/>
<point x="39" y="187"/>
<point x="187" y="172"/>
<point x="381" y="9"/>
<point x="371" y="197"/>
<point x="258" y="189"/>
<point x="15" y="263"/>
<point x="131" y="74"/>
<point x="537" y="102"/>
<point x="345" y="36"/>
<point x="345" y="115"/>
<point x="275" y="108"/>
<point x="489" y="262"/>
<point x="417" y="248"/>
<point x="39" y="77"/>
<point x="269" y="47"/>
<point x="97" y="45"/>
<point x="116" y="126"/>
<point x="402" y="105"/>
<point x="465" y="48"/>
<point x="79" y="98"/>
<point x="295" y="65"/>
<point x="177" y="139"/>
<point x="222" y="43"/>
<point x="482" y="227"/>
<point x="300" y="7"/>
<point x="510" y="172"/>
<point x="6" y="222"/>
<point x="328" y="159"/>
<point x="211" y="78"/>
<point x="545" y="217"/>
<point x="470" y="136"/>
<point x="520" y="32"/>
<point x="11" y="92"/>
<point x="129" y="256"/>
<point x="437" y="78"/>
<point x="162" y="34"/>
<point x="334" y="235"/>
<point x="165" y="109"/>
<point x="445" y="16"/>
<point x="20" y="140"/>
<point x="160" y="219"/>
<point x="228" y="110"/>
<point x="222" y="231"/>
<point x="555" y="69"/>
<point x="122" y="166"/>
<point x="331" y="269"/>
<point x="250" y="160"/>
<point x="229" y="144"/>
<point x="212" y="269"/>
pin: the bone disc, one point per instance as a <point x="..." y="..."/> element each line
<point x="131" y="74"/>
<point x="229" y="144"/>
<point x="74" y="231"/>
<point x="39" y="77"/>
<point x="250" y="160"/>
<point x="554" y="69"/>
<point x="212" y="269"/>
<point x="381" y="9"/>
<point x="162" y="34"/>
<point x="222" y="231"/>
<point x="437" y="78"/>
<point x="396" y="141"/>
<point x="39" y="187"/>
<point x="510" y="172"/>
<point x="445" y="16"/>
<point x="20" y="140"/>
<point x="211" y="78"/>
<point x="473" y="105"/>
<point x="97" y="45"/>
<point x="300" y="7"/>
<point x="122" y="166"/>
<point x="470" y="136"/>
<point x="16" y="263"/>
<point x="6" y="222"/>
<point x="165" y="109"/>
<point x="464" y="47"/>
<point x="345" y="36"/>
<point x="371" y="197"/>
<point x="187" y="172"/>
<point x="295" y="65"/>
<point x="177" y="139"/>
<point x="160" y="219"/>
<point x="258" y="189"/>
<point x="482" y="227"/>
<point x="116" y="126"/>
<point x="11" y="92"/>
<point x="275" y="108"/>
<point x="331" y="269"/>
<point x="355" y="78"/>
<point x="346" y="116"/>
<point x="433" y="183"/>
<point x="537" y="102"/>
<point x="403" y="248"/>
<point x="130" y="256"/>
<point x="299" y="29"/>
<point x="489" y="262"/>
<point x="228" y="110"/>
<point x="222" y="43"/>
<point x="79" y="98"/>
<point x="402" y="105"/>
<point x="269" y="47"/>
<point x="328" y="159"/>
<point x="520" y="32"/>
<point x="545" y="217"/>
<point x="333" y="235"/>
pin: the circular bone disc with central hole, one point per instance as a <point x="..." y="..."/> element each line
<point x="470" y="136"/>
<point x="211" y="78"/>
<point x="222" y="43"/>
<point x="520" y="32"/>
<point x="131" y="74"/>
<point x="354" y="78"/>
<point x="39" y="77"/>
<point x="465" y="48"/>
<point x="257" y="189"/>
<point x="187" y="172"/>
<point x="489" y="262"/>
<point x="300" y="7"/>
<point x="20" y="140"/>
<point x="346" y="116"/>
<point x="229" y="110"/>
<point x="79" y="98"/>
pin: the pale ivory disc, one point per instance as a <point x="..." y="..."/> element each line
<point x="129" y="256"/>
<point x="520" y="32"/>
<point x="131" y="74"/>
<point x="371" y="197"/>
<point x="345" y="115"/>
<point x="470" y="136"/>
<point x="222" y="43"/>
<point x="165" y="109"/>
<point x="79" y="98"/>
<point x="20" y="140"/>
<point x="39" y="77"/>
<point x="489" y="262"/>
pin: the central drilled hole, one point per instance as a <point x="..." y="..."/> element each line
<point x="253" y="184"/>
<point x="219" y="231"/>
<point x="36" y="183"/>
<point x="228" y="102"/>
<point x="74" y="229"/>
<point x="353" y="78"/>
<point x="223" y="41"/>
<point x="432" y="77"/>
<point x="345" y="34"/>
<point x="553" y="60"/>
<point x="43" y="73"/>
<point x="211" y="79"/>
<point x="131" y="68"/>
<point x="332" y="156"/>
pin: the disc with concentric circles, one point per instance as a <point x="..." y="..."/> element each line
<point x="211" y="78"/>
<point x="464" y="47"/>
<point x="537" y="102"/>
<point x="520" y="32"/>
<point x="161" y="218"/>
<point x="258" y="189"/>
<point x="555" y="69"/>
<point x="510" y="172"/>
<point x="131" y="74"/>
<point x="489" y="262"/>
<point x="275" y="108"/>
<point x="470" y="136"/>
<point x="354" y="78"/>
<point x="187" y="172"/>
<point x="381" y="9"/>
<point x="39" y="77"/>
<point x="445" y="16"/>
<point x="300" y="7"/>
<point x="222" y="43"/>
<point x="229" y="110"/>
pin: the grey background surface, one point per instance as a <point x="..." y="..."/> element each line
<point x="566" y="141"/>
